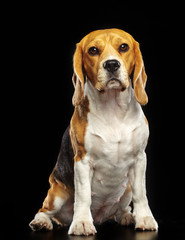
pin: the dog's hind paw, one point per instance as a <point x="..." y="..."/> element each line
<point x="41" y="222"/>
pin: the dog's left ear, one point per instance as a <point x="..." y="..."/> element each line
<point x="78" y="77"/>
<point x="140" y="77"/>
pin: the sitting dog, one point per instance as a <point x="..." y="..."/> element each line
<point x="102" y="162"/>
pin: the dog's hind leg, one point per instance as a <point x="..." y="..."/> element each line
<point x="57" y="195"/>
<point x="124" y="215"/>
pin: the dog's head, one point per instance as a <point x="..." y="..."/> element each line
<point x="107" y="58"/>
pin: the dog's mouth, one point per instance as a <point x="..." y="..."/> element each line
<point x="112" y="84"/>
<point x="115" y="83"/>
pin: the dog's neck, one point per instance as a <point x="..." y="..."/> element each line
<point x="110" y="97"/>
<point x="112" y="103"/>
<point x="114" y="106"/>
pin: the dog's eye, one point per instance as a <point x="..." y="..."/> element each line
<point x="123" y="47"/>
<point x="93" y="51"/>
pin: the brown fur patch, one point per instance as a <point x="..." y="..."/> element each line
<point x="78" y="128"/>
<point x="128" y="189"/>
<point x="146" y="121"/>
<point x="57" y="189"/>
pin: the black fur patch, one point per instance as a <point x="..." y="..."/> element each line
<point x="64" y="168"/>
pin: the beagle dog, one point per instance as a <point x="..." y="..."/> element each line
<point x="102" y="162"/>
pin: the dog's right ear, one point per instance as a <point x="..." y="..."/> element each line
<point x="140" y="77"/>
<point x="78" y="77"/>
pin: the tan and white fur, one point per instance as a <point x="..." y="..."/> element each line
<point x="108" y="134"/>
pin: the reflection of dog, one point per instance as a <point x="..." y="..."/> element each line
<point x="106" y="139"/>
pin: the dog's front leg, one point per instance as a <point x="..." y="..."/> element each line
<point x="82" y="223"/>
<point x="142" y="213"/>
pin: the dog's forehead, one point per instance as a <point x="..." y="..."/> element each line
<point x="106" y="35"/>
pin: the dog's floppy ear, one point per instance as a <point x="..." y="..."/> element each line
<point x="78" y="77"/>
<point x="140" y="77"/>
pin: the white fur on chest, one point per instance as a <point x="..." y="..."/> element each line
<point x="116" y="127"/>
<point x="116" y="130"/>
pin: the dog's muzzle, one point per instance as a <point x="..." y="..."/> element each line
<point x="112" y="65"/>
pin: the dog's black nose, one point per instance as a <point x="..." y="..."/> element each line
<point x="111" y="65"/>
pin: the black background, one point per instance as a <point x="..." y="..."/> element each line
<point x="41" y="42"/>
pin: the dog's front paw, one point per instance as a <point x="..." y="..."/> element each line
<point x="85" y="227"/>
<point x="41" y="222"/>
<point x="146" y="223"/>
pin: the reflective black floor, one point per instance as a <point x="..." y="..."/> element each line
<point x="168" y="229"/>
